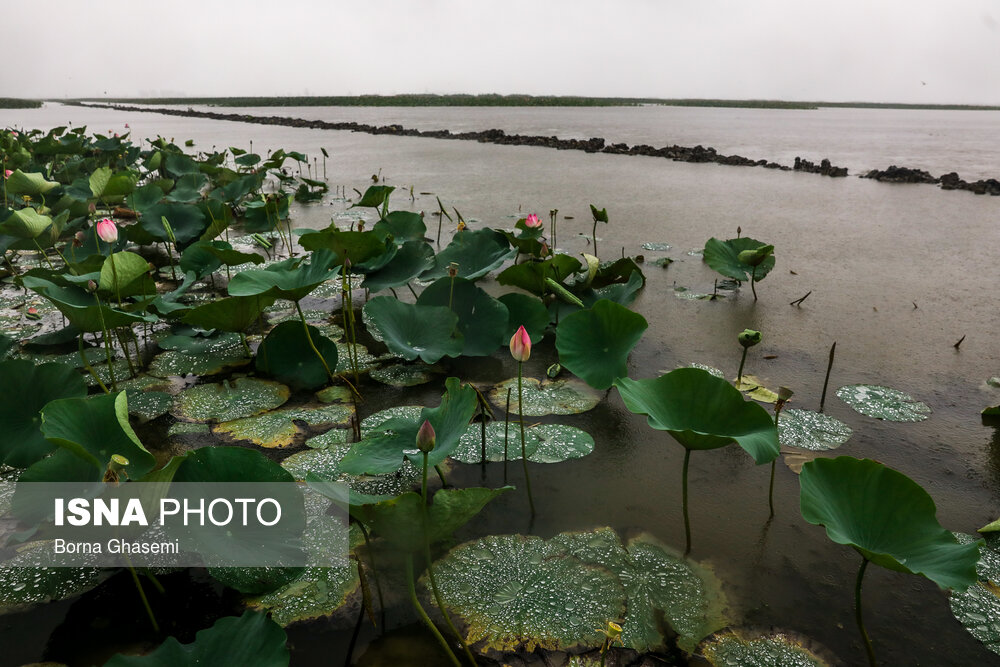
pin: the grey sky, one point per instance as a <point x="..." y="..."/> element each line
<point x="848" y="50"/>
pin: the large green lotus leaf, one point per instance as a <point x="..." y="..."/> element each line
<point x="125" y="274"/>
<point x="527" y="311"/>
<point x="551" y="397"/>
<point x="594" y="344"/>
<point x="702" y="411"/>
<point x="226" y="401"/>
<point x="516" y="591"/>
<point x="481" y="318"/>
<point x="810" y="430"/>
<point x="95" y="429"/>
<point x="318" y="591"/>
<point x="531" y="275"/>
<point x="400" y="520"/>
<point x="24" y="391"/>
<point x="252" y="640"/>
<point x="375" y="196"/>
<point x="384" y="447"/>
<point x="278" y="428"/>
<point x="546" y="443"/>
<point x="177" y="164"/>
<point x="234" y="313"/>
<point x="205" y="257"/>
<point x="978" y="607"/>
<point x="366" y="250"/>
<point x="25" y="223"/>
<point x="883" y="403"/>
<point x="287" y="356"/>
<point x="186" y="220"/>
<point x="291" y="279"/>
<point x="411" y="330"/>
<point x="476" y="253"/>
<point x="229" y="464"/>
<point x="887" y="517"/>
<point x="31" y="184"/>
<point x="751" y="648"/>
<point x="22" y="584"/>
<point x="188" y="188"/>
<point x="411" y="260"/>
<point x="723" y="257"/>
<point x="403" y="226"/>
<point x="81" y="307"/>
<point x="144" y="197"/>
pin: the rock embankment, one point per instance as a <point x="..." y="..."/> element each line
<point x="699" y="153"/>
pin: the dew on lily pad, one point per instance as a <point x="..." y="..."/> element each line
<point x="748" y="648"/>
<point x="883" y="403"/>
<point x="658" y="247"/>
<point x="662" y="262"/>
<point x="22" y="583"/>
<point x="325" y="463"/>
<point x="546" y="443"/>
<point x="148" y="405"/>
<point x="551" y="397"/>
<point x="365" y="359"/>
<point x="278" y="428"/>
<point x="374" y="420"/>
<point x="176" y="362"/>
<point x="226" y="401"/>
<point x="688" y="295"/>
<point x="120" y="367"/>
<point x="815" y="431"/>
<point x="188" y="428"/>
<point x="978" y="608"/>
<point x="405" y="375"/>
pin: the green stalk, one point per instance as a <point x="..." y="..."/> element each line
<point x="524" y="449"/>
<point x="42" y="252"/>
<point x="107" y="347"/>
<point x="739" y="374"/>
<point x="753" y="280"/>
<point x="593" y="235"/>
<point x="506" y="428"/>
<point x="440" y="473"/>
<point x="770" y="492"/>
<point x="684" y="496"/>
<point x="145" y="601"/>
<point x="114" y="274"/>
<point x="378" y="581"/>
<point x="90" y="369"/>
<point x="857" y="614"/>
<point x="124" y="346"/>
<point x="305" y="327"/>
<point x="423" y="614"/>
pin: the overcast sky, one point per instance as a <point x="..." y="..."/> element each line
<point x="931" y="51"/>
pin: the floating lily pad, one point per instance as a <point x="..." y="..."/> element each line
<point x="978" y="608"/>
<point x="558" y="397"/>
<point x="120" y="367"/>
<point x="657" y="247"/>
<point x="365" y="359"/>
<point x="325" y="462"/>
<point x="753" y="387"/>
<point x="22" y="584"/>
<point x="188" y="428"/>
<point x="883" y="403"/>
<point x="516" y="590"/>
<point x="546" y="443"/>
<point x="405" y="375"/>
<point x="994" y="381"/>
<point x="278" y="429"/>
<point x="662" y="262"/>
<point x="811" y="430"/>
<point x="287" y="355"/>
<point x="411" y="331"/>
<point x="318" y="591"/>
<point x="688" y="295"/>
<point x="148" y="405"/>
<point x="755" y="649"/>
<point x="226" y="401"/>
<point x="226" y="357"/>
<point x="334" y="394"/>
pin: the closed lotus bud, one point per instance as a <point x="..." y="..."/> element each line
<point x="749" y="337"/>
<point x="7" y="173"/>
<point x="425" y="437"/>
<point x="755" y="256"/>
<point x="520" y="344"/>
<point x="78" y="239"/>
<point x="532" y="221"/>
<point x="107" y="230"/>
<point x="452" y="269"/>
<point x="91" y="286"/>
<point x="92" y="207"/>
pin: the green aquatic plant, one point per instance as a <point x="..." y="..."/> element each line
<point x="599" y="216"/>
<point x="520" y="349"/>
<point x="701" y="411"/>
<point x="594" y="343"/>
<point x="742" y="259"/>
<point x="747" y="339"/>
<point x="889" y="519"/>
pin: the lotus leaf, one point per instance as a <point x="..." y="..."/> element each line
<point x="25" y="223"/>
<point x="31" y="184"/>
<point x="411" y="260"/>
<point x="754" y="388"/>
<point x="291" y="279"/>
<point x="482" y="320"/>
<point x="724" y="257"/>
<point x="125" y="274"/>
<point x="531" y="276"/>
<point x="234" y="313"/>
<point x="546" y="443"/>
<point x="367" y="251"/>
<point x="287" y="355"/>
<point x="476" y="253"/>
<point x="405" y="375"/>
<point x="403" y="226"/>
<point x="555" y="397"/>
<point x="411" y="331"/>
<point x="81" y="308"/>
<point x="978" y="607"/>
<point x="148" y="405"/>
<point x="527" y="311"/>
<point x="25" y="390"/>
<point x="754" y="649"/>
<point x="252" y="640"/>
<point x="594" y="344"/>
<point x="702" y="412"/>
<point x="887" y="517"/>
<point x="226" y="401"/>
<point x="883" y="403"/>
<point x="22" y="584"/>
<point x="375" y="196"/>
<point x="186" y="221"/>
<point x="335" y="394"/>
<point x="324" y="462"/>
<point x="278" y="428"/>
<point x="814" y="431"/>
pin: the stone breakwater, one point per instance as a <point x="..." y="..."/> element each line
<point x="893" y="174"/>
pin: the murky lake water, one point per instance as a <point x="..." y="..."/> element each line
<point x="898" y="273"/>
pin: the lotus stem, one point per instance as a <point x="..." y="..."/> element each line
<point x="423" y="614"/>
<point x="378" y="582"/>
<point x="348" y="308"/>
<point x="42" y="253"/>
<point x="524" y="449"/>
<point x="145" y="600"/>
<point x="826" y="380"/>
<point x="857" y="614"/>
<point x="506" y="428"/>
<point x="753" y="281"/>
<point x="739" y="374"/>
<point x="357" y="624"/>
<point x="423" y="486"/>
<point x="107" y="346"/>
<point x="440" y="473"/>
<point x="246" y="348"/>
<point x="770" y="491"/>
<point x="90" y="369"/>
<point x="123" y="342"/>
<point x="114" y="274"/>
<point x="593" y="235"/>
<point x="305" y="327"/>
<point x="684" y="502"/>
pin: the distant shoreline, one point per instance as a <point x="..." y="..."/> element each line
<point x="516" y="101"/>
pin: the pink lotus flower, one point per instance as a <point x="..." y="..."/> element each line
<point x="107" y="230"/>
<point x="532" y="221"/>
<point x="126" y="126"/>
<point x="7" y="173"/>
<point x="520" y="344"/>
<point x="426" y="437"/>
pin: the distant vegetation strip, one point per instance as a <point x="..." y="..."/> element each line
<point x="17" y="103"/>
<point x="493" y="100"/>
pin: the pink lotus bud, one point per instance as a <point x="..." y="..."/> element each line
<point x="532" y="221"/>
<point x="7" y="173"/>
<point x="92" y="207"/>
<point x="126" y="126"/>
<point x="426" y="437"/>
<point x="91" y="286"/>
<point x="107" y="231"/>
<point x="520" y="344"/>
<point x="78" y="239"/>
